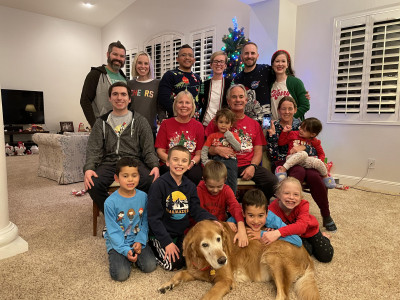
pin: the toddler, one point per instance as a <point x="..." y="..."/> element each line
<point x="306" y="135"/>
<point x="224" y="119"/>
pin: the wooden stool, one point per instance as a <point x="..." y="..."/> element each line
<point x="243" y="186"/>
<point x="96" y="212"/>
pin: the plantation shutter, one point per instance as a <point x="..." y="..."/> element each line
<point x="203" y="46"/>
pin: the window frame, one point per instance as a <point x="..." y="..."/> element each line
<point x="202" y="55"/>
<point x="362" y="88"/>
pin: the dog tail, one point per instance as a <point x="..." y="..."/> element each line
<point x="306" y="286"/>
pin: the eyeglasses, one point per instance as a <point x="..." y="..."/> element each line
<point x="218" y="62"/>
<point x="186" y="55"/>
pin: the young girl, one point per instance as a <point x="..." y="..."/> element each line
<point x="294" y="211"/>
<point x="224" y="119"/>
<point x="306" y="135"/>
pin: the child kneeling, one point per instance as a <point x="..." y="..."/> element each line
<point x="125" y="213"/>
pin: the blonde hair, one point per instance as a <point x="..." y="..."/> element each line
<point x="214" y="170"/>
<point x="216" y="54"/>
<point x="180" y="95"/>
<point x="289" y="179"/>
<point x="134" y="73"/>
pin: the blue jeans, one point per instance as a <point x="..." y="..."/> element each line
<point x="120" y="266"/>
<point x="231" y="166"/>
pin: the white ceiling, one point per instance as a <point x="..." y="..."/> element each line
<point x="99" y="15"/>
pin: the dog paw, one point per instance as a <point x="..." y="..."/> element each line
<point x="163" y="289"/>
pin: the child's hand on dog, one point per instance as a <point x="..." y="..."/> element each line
<point x="171" y="251"/>
<point x="131" y="257"/>
<point x="241" y="235"/>
<point x="270" y="236"/>
<point x="232" y="226"/>
<point x="253" y="235"/>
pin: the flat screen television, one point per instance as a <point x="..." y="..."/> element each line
<point x="22" y="107"/>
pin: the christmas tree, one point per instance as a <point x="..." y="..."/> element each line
<point x="233" y="46"/>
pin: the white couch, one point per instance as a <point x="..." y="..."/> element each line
<point x="62" y="156"/>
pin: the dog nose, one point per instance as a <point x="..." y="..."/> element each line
<point x="222" y="260"/>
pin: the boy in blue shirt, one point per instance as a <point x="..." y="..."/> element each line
<point x="125" y="213"/>
<point x="259" y="220"/>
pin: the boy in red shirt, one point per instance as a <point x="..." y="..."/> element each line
<point x="217" y="198"/>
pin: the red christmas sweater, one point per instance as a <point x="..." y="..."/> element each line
<point x="219" y="204"/>
<point x="293" y="139"/>
<point x="299" y="221"/>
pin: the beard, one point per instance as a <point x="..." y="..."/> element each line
<point x="113" y="65"/>
<point x="250" y="63"/>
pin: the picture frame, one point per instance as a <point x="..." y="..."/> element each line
<point x="67" y="126"/>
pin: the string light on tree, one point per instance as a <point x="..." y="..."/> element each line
<point x="233" y="46"/>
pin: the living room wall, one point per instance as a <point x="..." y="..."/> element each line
<point x="50" y="55"/>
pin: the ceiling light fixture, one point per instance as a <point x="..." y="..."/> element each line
<point x="88" y="4"/>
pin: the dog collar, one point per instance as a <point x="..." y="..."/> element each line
<point x="202" y="269"/>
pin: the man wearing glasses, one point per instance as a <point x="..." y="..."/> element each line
<point x="212" y="96"/>
<point x="180" y="79"/>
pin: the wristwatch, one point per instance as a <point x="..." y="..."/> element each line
<point x="255" y="166"/>
<point x="194" y="162"/>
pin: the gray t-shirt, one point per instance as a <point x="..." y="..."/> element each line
<point x="119" y="123"/>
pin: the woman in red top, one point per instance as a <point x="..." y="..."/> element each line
<point x="294" y="211"/>
<point x="182" y="130"/>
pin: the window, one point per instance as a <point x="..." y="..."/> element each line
<point x="365" y="86"/>
<point x="130" y="56"/>
<point x="163" y="50"/>
<point x="203" y="47"/>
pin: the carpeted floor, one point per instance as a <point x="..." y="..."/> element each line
<point x="65" y="261"/>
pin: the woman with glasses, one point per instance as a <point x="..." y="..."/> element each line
<point x="212" y="95"/>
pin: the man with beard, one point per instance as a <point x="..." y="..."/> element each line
<point x="94" y="97"/>
<point x="257" y="78"/>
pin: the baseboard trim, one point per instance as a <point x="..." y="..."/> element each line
<point x="372" y="184"/>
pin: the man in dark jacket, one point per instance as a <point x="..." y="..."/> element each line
<point x="94" y="97"/>
<point x="116" y="134"/>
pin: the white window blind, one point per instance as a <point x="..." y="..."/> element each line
<point x="163" y="50"/>
<point x="203" y="47"/>
<point x="365" y="86"/>
<point x="130" y="56"/>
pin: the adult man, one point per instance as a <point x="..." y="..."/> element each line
<point x="118" y="133"/>
<point x="252" y="141"/>
<point x="94" y="99"/>
<point x="182" y="78"/>
<point x="257" y="79"/>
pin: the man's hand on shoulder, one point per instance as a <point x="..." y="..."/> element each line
<point x="156" y="172"/>
<point x="88" y="179"/>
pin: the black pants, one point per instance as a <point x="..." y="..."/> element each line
<point x="105" y="173"/>
<point x="319" y="246"/>
<point x="264" y="179"/>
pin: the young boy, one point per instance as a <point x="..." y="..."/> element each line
<point x="259" y="220"/>
<point x="217" y="198"/>
<point x="306" y="135"/>
<point x="172" y="198"/>
<point x="126" y="220"/>
<point x="224" y="119"/>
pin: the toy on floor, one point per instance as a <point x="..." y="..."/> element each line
<point x="78" y="193"/>
<point x="9" y="150"/>
<point x="34" y="149"/>
<point x="20" y="148"/>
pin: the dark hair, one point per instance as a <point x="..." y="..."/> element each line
<point x="289" y="99"/>
<point x="127" y="161"/>
<point x="254" y="197"/>
<point x="178" y="148"/>
<point x="227" y="113"/>
<point x="289" y="70"/>
<point x="249" y="43"/>
<point x="119" y="83"/>
<point x="115" y="44"/>
<point x="312" y="125"/>
<point x="186" y="46"/>
<point x="214" y="170"/>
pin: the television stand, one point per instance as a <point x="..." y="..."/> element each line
<point x="12" y="133"/>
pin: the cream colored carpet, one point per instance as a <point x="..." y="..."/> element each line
<point x="65" y="261"/>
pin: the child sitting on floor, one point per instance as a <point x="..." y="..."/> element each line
<point x="224" y="119"/>
<point x="306" y="135"/>
<point x="125" y="213"/>
<point x="294" y="211"/>
<point x="218" y="198"/>
<point x="172" y="197"/>
<point x="259" y="220"/>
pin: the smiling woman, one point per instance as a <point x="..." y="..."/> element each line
<point x="183" y="130"/>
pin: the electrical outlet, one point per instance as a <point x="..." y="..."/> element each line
<point x="371" y="163"/>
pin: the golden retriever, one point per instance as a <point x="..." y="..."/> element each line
<point x="211" y="256"/>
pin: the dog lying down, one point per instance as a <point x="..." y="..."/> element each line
<point x="211" y="256"/>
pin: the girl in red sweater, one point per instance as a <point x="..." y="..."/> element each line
<point x="294" y="211"/>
